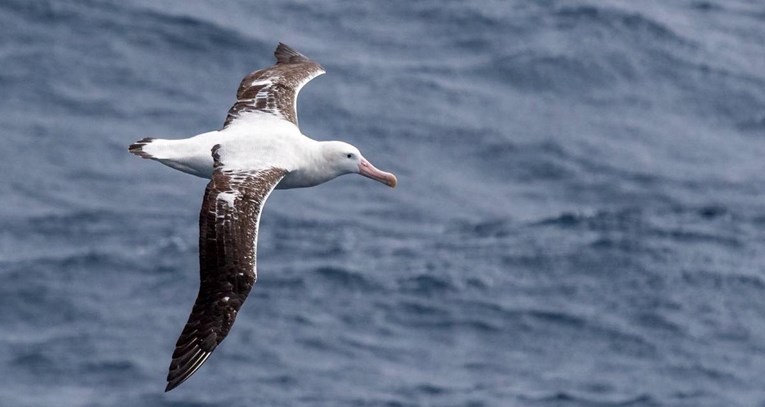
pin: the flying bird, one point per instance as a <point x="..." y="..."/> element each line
<point x="260" y="148"/>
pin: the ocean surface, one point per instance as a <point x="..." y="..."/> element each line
<point x="580" y="217"/>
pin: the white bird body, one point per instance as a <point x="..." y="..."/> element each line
<point x="259" y="143"/>
<point x="263" y="143"/>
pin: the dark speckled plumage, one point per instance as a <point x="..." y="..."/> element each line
<point x="228" y="231"/>
<point x="274" y="90"/>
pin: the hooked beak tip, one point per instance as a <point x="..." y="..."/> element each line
<point x="392" y="181"/>
<point x="368" y="170"/>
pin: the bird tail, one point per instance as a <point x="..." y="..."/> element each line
<point x="157" y="148"/>
<point x="141" y="146"/>
<point x="186" y="155"/>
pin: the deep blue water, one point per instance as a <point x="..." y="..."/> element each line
<point x="580" y="219"/>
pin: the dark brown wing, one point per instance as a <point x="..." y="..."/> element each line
<point x="274" y="90"/>
<point x="228" y="227"/>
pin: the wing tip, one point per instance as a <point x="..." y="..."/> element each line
<point x="176" y="378"/>
<point x="287" y="55"/>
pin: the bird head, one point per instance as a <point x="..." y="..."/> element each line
<point x="347" y="159"/>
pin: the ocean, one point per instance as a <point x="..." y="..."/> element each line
<point x="579" y="221"/>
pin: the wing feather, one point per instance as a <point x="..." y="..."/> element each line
<point x="274" y="90"/>
<point x="228" y="227"/>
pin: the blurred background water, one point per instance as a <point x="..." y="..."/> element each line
<point x="579" y="220"/>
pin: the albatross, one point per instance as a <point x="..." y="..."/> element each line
<point x="259" y="148"/>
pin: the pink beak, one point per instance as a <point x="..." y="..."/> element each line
<point x="368" y="170"/>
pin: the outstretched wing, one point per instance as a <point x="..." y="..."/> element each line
<point x="274" y="90"/>
<point x="228" y="230"/>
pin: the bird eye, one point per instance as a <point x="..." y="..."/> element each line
<point x="349" y="155"/>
